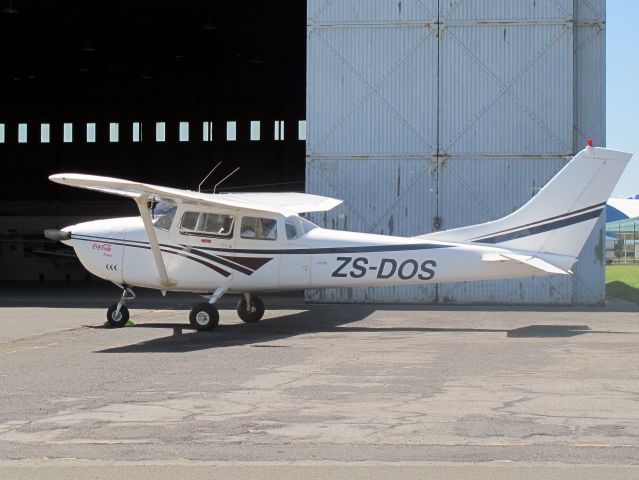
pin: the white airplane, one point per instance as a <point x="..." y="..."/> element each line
<point x="254" y="242"/>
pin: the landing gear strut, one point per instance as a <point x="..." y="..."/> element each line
<point x="118" y="314"/>
<point x="251" y="308"/>
<point x="204" y="316"/>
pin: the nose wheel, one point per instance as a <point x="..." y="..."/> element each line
<point x="117" y="318"/>
<point x="117" y="314"/>
<point x="251" y="308"/>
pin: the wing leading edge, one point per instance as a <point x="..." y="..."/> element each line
<point x="284" y="203"/>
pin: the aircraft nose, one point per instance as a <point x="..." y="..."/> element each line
<point x="56" y="235"/>
<point x="67" y="232"/>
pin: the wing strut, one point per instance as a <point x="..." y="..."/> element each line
<point x="153" y="241"/>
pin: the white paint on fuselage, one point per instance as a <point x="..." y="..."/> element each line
<point x="429" y="262"/>
<point x="117" y="250"/>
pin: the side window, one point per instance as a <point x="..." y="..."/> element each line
<point x="293" y="229"/>
<point x="207" y="224"/>
<point x="189" y="221"/>
<point x="162" y="213"/>
<point x="255" y="228"/>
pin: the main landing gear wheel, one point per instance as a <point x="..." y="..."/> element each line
<point x="117" y="318"/>
<point x="251" y="311"/>
<point x="204" y="316"/>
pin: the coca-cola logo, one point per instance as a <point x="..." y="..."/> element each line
<point x="104" y="247"/>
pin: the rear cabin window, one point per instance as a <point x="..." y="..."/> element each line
<point x="307" y="225"/>
<point x="255" y="228"/>
<point x="207" y="224"/>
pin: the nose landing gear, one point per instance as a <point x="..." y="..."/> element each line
<point x="118" y="314"/>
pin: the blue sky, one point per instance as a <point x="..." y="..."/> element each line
<point x="622" y="87"/>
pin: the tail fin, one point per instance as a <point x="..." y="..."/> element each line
<point x="562" y="214"/>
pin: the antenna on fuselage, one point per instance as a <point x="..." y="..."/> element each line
<point x="215" y="187"/>
<point x="199" y="187"/>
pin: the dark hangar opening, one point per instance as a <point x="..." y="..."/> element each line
<point x="156" y="91"/>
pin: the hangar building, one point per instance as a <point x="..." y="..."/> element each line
<point x="435" y="114"/>
<point x="420" y="114"/>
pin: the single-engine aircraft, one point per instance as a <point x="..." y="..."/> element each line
<point x="247" y="243"/>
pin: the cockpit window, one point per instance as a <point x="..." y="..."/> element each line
<point x="162" y="213"/>
<point x="307" y="225"/>
<point x="207" y="224"/>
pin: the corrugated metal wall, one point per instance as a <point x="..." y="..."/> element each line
<point x="454" y="112"/>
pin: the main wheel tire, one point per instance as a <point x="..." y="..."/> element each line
<point x="204" y="316"/>
<point x="117" y="319"/>
<point x="251" y="314"/>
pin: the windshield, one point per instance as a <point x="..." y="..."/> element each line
<point x="162" y="213"/>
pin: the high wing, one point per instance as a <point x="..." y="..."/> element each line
<point x="280" y="203"/>
<point x="284" y="203"/>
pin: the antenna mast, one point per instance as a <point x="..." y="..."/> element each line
<point x="215" y="187"/>
<point x="199" y="187"/>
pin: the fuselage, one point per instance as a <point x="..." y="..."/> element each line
<point x="285" y="253"/>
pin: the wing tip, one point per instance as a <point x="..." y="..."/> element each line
<point x="58" y="177"/>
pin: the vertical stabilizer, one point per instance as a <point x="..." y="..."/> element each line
<point x="561" y="216"/>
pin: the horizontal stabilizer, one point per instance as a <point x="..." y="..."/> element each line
<point x="534" y="262"/>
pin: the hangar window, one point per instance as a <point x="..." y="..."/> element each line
<point x="137" y="131"/>
<point x="279" y="130"/>
<point x="22" y="133"/>
<point x="301" y="130"/>
<point x="114" y="132"/>
<point x="231" y="131"/>
<point x="45" y="133"/>
<point x="67" y="133"/>
<point x="255" y="130"/>
<point x="255" y="228"/>
<point x="207" y="224"/>
<point x="90" y="132"/>
<point x="207" y="131"/>
<point x="184" y="131"/>
<point x="1" y="132"/>
<point x="160" y="131"/>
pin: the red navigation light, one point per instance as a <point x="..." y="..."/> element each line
<point x="590" y="142"/>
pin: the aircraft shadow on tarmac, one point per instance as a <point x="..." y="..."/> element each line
<point x="314" y="320"/>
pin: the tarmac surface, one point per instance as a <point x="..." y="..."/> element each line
<point x="314" y="391"/>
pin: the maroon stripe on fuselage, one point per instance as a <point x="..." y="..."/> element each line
<point x="253" y="263"/>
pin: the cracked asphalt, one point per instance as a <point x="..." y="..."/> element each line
<point x="321" y="391"/>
